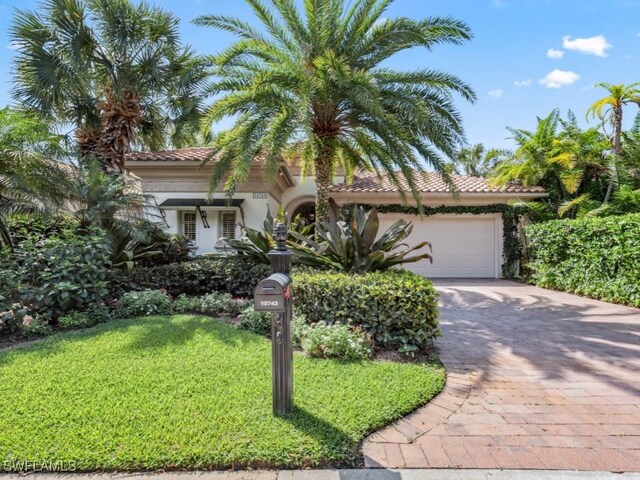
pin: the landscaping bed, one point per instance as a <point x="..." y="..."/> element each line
<point x="173" y="392"/>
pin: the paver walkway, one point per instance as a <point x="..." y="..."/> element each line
<point x="536" y="380"/>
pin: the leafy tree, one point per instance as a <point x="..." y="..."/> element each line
<point x="314" y="83"/>
<point x="116" y="71"/>
<point x="610" y="109"/>
<point x="30" y="179"/>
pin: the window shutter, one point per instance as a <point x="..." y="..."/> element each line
<point x="228" y="225"/>
<point x="189" y="225"/>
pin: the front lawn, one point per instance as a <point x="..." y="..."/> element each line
<point x="191" y="392"/>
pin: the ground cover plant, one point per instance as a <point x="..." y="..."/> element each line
<point x="89" y="397"/>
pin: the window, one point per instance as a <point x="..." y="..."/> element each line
<point x="189" y="225"/>
<point x="228" y="225"/>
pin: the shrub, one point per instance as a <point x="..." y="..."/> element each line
<point x="396" y="307"/>
<point x="56" y="274"/>
<point x="34" y="326"/>
<point x="233" y="275"/>
<point x="335" y="341"/>
<point x="11" y="316"/>
<point x="186" y="304"/>
<point x="210" y="304"/>
<point x="88" y="318"/>
<point x="299" y="327"/>
<point x="170" y="248"/>
<point x="142" y="304"/>
<point x="594" y="257"/>
<point x="37" y="228"/>
<point x="256" y="322"/>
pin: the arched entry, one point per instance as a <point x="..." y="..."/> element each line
<point x="306" y="211"/>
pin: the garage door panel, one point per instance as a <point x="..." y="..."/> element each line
<point x="462" y="246"/>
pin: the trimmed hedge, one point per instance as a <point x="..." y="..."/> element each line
<point x="396" y="307"/>
<point x="594" y="257"/>
<point x="200" y="276"/>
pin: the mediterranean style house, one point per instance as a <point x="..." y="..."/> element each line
<point x="466" y="241"/>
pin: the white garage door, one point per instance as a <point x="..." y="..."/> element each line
<point x="463" y="246"/>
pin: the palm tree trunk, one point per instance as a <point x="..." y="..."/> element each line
<point x="323" y="164"/>
<point x="617" y="147"/>
<point x="88" y="143"/>
<point x="120" y="117"/>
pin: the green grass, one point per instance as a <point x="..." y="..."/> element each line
<point x="191" y="392"/>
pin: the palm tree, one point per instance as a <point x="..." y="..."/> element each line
<point x="114" y="70"/>
<point x="559" y="156"/>
<point x="314" y="82"/>
<point x="610" y="109"/>
<point x="477" y="161"/>
<point x="31" y="180"/>
<point x="113" y="203"/>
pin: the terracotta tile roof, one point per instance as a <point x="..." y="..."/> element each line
<point x="428" y="183"/>
<point x="195" y="154"/>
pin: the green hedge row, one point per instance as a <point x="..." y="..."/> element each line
<point x="396" y="307"/>
<point x="197" y="277"/>
<point x="594" y="257"/>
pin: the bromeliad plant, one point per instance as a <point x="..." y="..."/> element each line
<point x="353" y="246"/>
<point x="256" y="244"/>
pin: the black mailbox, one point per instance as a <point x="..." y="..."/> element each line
<point x="272" y="293"/>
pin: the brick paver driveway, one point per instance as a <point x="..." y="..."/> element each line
<point x="536" y="379"/>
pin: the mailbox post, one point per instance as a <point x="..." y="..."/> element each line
<point x="274" y="295"/>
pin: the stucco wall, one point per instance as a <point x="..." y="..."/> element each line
<point x="254" y="211"/>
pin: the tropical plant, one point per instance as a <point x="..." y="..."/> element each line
<point x="477" y="161"/>
<point x="315" y="84"/>
<point x="256" y="244"/>
<point x="113" y="203"/>
<point x="354" y="246"/>
<point x="610" y="109"/>
<point x="623" y="201"/>
<point x="31" y="180"/>
<point x="631" y="150"/>
<point x="559" y="156"/>
<point x="114" y="69"/>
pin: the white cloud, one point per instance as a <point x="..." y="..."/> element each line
<point x="597" y="45"/>
<point x="559" y="78"/>
<point x="628" y="56"/>
<point x="555" y="54"/>
<point x="497" y="93"/>
<point x="523" y="83"/>
<point x="499" y="3"/>
<point x="638" y="34"/>
<point x="13" y="45"/>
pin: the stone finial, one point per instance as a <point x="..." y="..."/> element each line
<point x="280" y="234"/>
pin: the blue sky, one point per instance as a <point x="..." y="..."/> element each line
<point x="555" y="49"/>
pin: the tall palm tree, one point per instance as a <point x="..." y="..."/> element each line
<point x="114" y="70"/>
<point x="610" y="108"/>
<point x="315" y="81"/>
